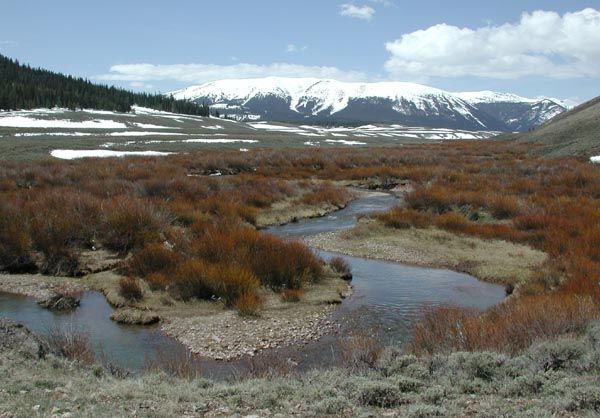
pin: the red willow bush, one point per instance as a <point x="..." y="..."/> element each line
<point x="168" y="213"/>
<point x="555" y="209"/>
<point x="277" y="263"/>
<point x="14" y="240"/>
<point x="510" y="327"/>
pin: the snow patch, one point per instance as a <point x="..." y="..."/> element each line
<point x="53" y="134"/>
<point x="345" y="142"/>
<point x="136" y="133"/>
<point x="151" y="126"/>
<point x="67" y="154"/>
<point x="25" y="122"/>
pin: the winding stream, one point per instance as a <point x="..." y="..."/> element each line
<point x="387" y="298"/>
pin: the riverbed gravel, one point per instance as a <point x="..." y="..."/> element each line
<point x="228" y="336"/>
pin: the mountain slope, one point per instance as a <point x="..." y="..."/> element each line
<point x="576" y="132"/>
<point x="330" y="101"/>
<point x="23" y="87"/>
<point x="518" y="113"/>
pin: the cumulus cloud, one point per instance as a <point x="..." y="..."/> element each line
<point x="540" y="44"/>
<point x="202" y="73"/>
<point x="357" y="12"/>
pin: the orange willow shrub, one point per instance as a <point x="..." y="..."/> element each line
<point x="14" y="241"/>
<point x="58" y="222"/>
<point x="276" y="262"/>
<point x="153" y="257"/>
<point x="130" y="223"/>
<point x="235" y="285"/>
<point x="130" y="289"/>
<point x="326" y="193"/>
<point x="402" y="218"/>
<point x="510" y="327"/>
<point x="127" y="204"/>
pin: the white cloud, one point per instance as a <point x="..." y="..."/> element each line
<point x="295" y="48"/>
<point x="201" y="73"/>
<point x="540" y="44"/>
<point x="358" y="12"/>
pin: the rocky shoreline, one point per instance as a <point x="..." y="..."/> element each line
<point x="228" y="337"/>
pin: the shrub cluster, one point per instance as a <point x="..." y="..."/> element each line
<point x="168" y="211"/>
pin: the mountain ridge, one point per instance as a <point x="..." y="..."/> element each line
<point x="328" y="100"/>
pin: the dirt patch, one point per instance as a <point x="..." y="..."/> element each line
<point x="489" y="260"/>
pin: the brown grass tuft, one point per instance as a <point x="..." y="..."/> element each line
<point x="130" y="289"/>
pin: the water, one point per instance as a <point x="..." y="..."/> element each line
<point x="388" y="297"/>
<point x="125" y="346"/>
<point x="342" y="219"/>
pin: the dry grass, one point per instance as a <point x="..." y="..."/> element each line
<point x="71" y="344"/>
<point x="433" y="247"/>
<point x="130" y="289"/>
<point x="341" y="266"/>
<point x="292" y="295"/>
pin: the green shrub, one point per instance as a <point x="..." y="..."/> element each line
<point x="426" y="411"/>
<point x="564" y="353"/>
<point x="481" y="365"/>
<point x="381" y="394"/>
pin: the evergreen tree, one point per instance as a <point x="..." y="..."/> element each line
<point x="23" y="87"/>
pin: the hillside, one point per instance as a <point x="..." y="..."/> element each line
<point x="576" y="132"/>
<point x="23" y="87"/>
<point x="325" y="101"/>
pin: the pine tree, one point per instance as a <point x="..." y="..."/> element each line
<point x="23" y="87"/>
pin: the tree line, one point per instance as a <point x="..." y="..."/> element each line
<point x="24" y="87"/>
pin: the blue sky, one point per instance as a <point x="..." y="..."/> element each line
<point x="458" y="46"/>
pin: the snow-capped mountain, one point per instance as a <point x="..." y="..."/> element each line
<point x="331" y="101"/>
<point x="518" y="113"/>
